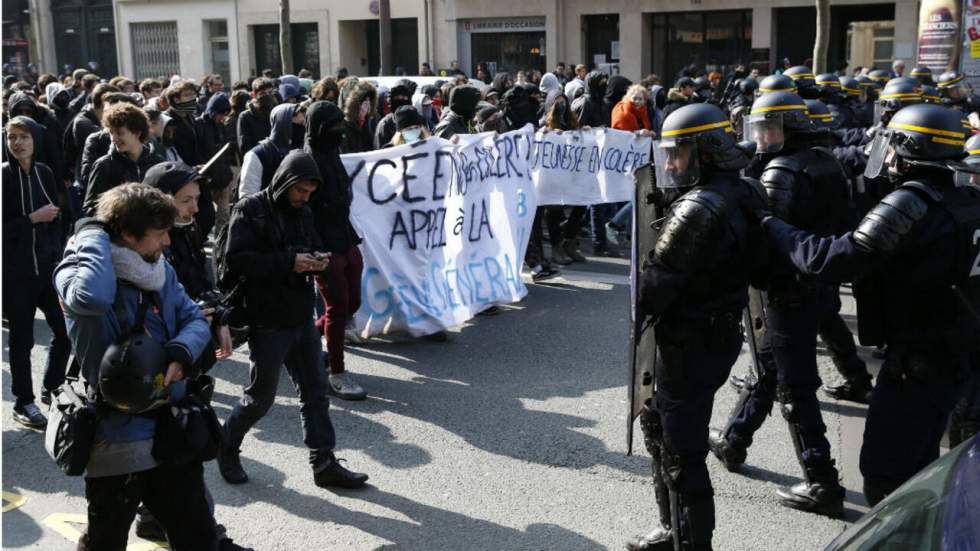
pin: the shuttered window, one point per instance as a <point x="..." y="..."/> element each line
<point x="155" y="49"/>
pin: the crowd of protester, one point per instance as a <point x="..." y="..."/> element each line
<point x="110" y="181"/>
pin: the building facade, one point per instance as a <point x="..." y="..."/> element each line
<point x="239" y="38"/>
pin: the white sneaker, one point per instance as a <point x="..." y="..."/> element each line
<point x="342" y="386"/>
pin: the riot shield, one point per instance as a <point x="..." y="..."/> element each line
<point x="643" y="345"/>
<point x="756" y="324"/>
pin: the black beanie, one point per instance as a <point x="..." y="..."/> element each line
<point x="170" y="176"/>
<point x="406" y="116"/>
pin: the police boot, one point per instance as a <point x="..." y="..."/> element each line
<point x="853" y="390"/>
<point x="730" y="451"/>
<point x="230" y="466"/>
<point x="820" y="493"/>
<point x="660" y="539"/>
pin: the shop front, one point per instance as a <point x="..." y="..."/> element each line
<point x="514" y="44"/>
<point x="710" y="40"/>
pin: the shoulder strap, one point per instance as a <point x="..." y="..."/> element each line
<point x="138" y="324"/>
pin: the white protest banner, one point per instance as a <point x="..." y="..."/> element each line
<point x="587" y="167"/>
<point x="445" y="228"/>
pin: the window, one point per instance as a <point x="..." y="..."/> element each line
<point x="714" y="41"/>
<point x="218" y="42"/>
<point x="305" y="45"/>
<point x="155" y="49"/>
<point x="884" y="45"/>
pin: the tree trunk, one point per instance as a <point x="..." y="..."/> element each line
<point x="822" y="38"/>
<point x="285" y="38"/>
<point x="384" y="33"/>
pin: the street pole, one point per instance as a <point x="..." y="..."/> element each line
<point x="384" y="28"/>
<point x="285" y="41"/>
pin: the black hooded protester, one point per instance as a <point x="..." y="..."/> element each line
<point x="360" y="112"/>
<point x="490" y="119"/>
<point x="254" y="123"/>
<point x="58" y="98"/>
<point x="86" y="123"/>
<point x="340" y="287"/>
<point x="588" y="107"/>
<point x="462" y="109"/>
<point x="618" y="85"/>
<point x="49" y="150"/>
<point x="214" y="136"/>
<point x="520" y="108"/>
<point x="259" y="164"/>
<point x="273" y="245"/>
<point x="32" y="246"/>
<point x="399" y="95"/>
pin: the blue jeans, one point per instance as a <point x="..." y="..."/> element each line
<point x="623" y="218"/>
<point x="599" y="215"/>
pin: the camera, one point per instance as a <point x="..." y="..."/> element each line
<point x="215" y="300"/>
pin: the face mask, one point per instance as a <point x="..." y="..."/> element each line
<point x="412" y="135"/>
<point x="298" y="133"/>
<point x="185" y="106"/>
<point x="332" y="137"/>
<point x="267" y="102"/>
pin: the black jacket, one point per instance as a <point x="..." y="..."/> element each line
<point x="264" y="235"/>
<point x="462" y="109"/>
<point x="186" y="255"/>
<point x="332" y="199"/>
<point x="588" y="107"/>
<point x="84" y="124"/>
<point x="113" y="169"/>
<point x="48" y="149"/>
<point x="188" y="138"/>
<point x="253" y="126"/>
<point x="213" y="137"/>
<point x="30" y="251"/>
<point x="96" y="146"/>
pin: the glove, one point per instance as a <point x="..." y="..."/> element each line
<point x="756" y="205"/>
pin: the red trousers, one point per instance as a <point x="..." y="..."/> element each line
<point x="341" y="292"/>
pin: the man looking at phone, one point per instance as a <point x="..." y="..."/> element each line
<point x="274" y="246"/>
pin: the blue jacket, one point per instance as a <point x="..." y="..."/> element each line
<point x="86" y="283"/>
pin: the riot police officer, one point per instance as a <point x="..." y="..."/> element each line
<point x="880" y="76"/>
<point x="957" y="93"/>
<point x="913" y="260"/>
<point x="806" y="85"/>
<point x="923" y="74"/>
<point x="776" y="83"/>
<point x="805" y="184"/>
<point x="693" y="287"/>
<point x="898" y="93"/>
<point x="856" y="100"/>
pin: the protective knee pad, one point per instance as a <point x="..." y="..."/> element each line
<point x="652" y="427"/>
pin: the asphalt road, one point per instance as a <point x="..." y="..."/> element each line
<point x="507" y="437"/>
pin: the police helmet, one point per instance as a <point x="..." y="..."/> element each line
<point x="748" y="86"/>
<point x="776" y="83"/>
<point x="930" y="94"/>
<point x="851" y="87"/>
<point x="953" y="86"/>
<point x="695" y="134"/>
<point x="898" y="93"/>
<point x="804" y="79"/>
<point x="972" y="160"/>
<point x="131" y="374"/>
<point x="972" y="149"/>
<point x="828" y="83"/>
<point x="772" y="116"/>
<point x="880" y="76"/>
<point x="821" y="114"/>
<point x="923" y="74"/>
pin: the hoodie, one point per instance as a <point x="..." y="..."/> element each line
<point x="30" y="251"/>
<point x="58" y="98"/>
<point x="48" y="149"/>
<point x="588" y="107"/>
<point x="574" y="88"/>
<point x="386" y="126"/>
<point x="214" y="136"/>
<point x="253" y="125"/>
<point x="265" y="234"/>
<point x="549" y="87"/>
<point x="462" y="109"/>
<point x="331" y="201"/>
<point x="259" y="164"/>
<point x="423" y="104"/>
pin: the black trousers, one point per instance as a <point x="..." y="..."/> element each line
<point x="174" y="494"/>
<point x="19" y="304"/>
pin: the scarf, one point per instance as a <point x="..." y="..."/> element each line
<point x="131" y="267"/>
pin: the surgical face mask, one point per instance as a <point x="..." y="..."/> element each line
<point x="412" y="135"/>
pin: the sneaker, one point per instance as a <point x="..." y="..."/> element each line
<point x="660" y="539"/>
<point x="230" y="466"/>
<point x="342" y="386"/>
<point x="30" y="416"/>
<point x="571" y="249"/>
<point x="612" y="233"/>
<point x="333" y="474"/>
<point x="559" y="256"/>
<point x="541" y="273"/>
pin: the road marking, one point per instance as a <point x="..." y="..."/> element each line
<point x="62" y="523"/>
<point x="13" y="501"/>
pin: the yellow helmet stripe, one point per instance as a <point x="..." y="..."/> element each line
<point x="973" y="152"/>
<point x="852" y="91"/>
<point x="926" y="130"/>
<point x="690" y="130"/>
<point x="948" y="141"/>
<point x="950" y="82"/>
<point x="777" y="108"/>
<point x="800" y="75"/>
<point x="900" y="96"/>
